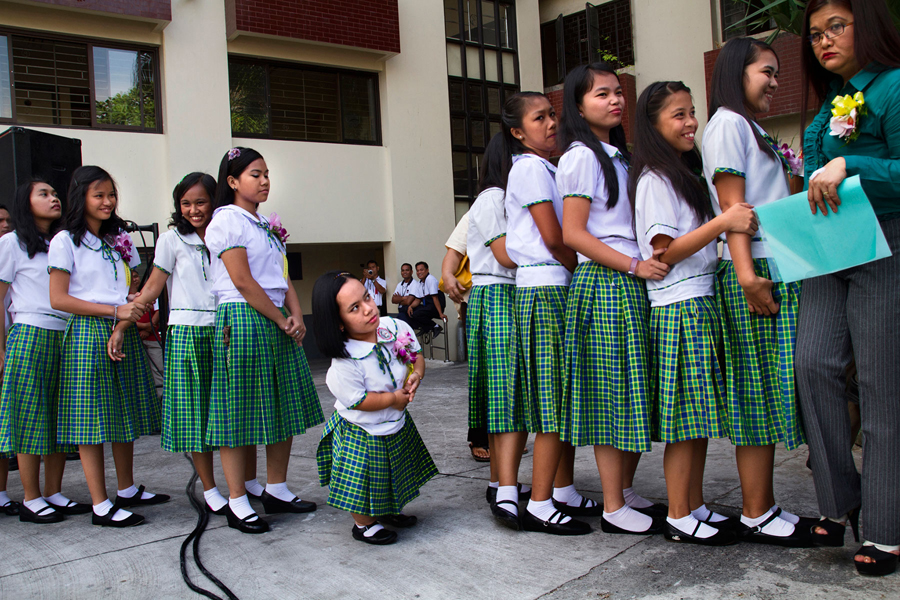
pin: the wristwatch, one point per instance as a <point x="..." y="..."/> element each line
<point x="633" y="267"/>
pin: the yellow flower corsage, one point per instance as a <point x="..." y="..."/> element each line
<point x="845" y="116"/>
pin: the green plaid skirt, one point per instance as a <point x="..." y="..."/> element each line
<point x="101" y="400"/>
<point x="28" y="402"/>
<point x="689" y="403"/>
<point x="189" y="359"/>
<point x="490" y="329"/>
<point x="537" y="356"/>
<point x="762" y="400"/>
<point x="372" y="474"/>
<point x="262" y="390"/>
<point x="607" y="374"/>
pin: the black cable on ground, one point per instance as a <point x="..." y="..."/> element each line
<point x="202" y="521"/>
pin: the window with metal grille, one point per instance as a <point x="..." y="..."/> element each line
<point x="733" y="11"/>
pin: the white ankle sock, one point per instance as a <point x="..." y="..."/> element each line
<point x="633" y="500"/>
<point x="214" y="499"/>
<point x="254" y="487"/>
<point x="37" y="504"/>
<point x="57" y="499"/>
<point x="509" y="492"/>
<point x="4" y="498"/>
<point x="130" y="492"/>
<point x="687" y="525"/>
<point x="702" y="513"/>
<point x="494" y="484"/>
<point x="789" y="517"/>
<point x="882" y="547"/>
<point x="544" y="510"/>
<point x="372" y="529"/>
<point x="280" y="491"/>
<point x="777" y="527"/>
<point x="628" y="518"/>
<point x="570" y="497"/>
<point x="102" y="509"/>
<point x="241" y="507"/>
<point x="524" y="489"/>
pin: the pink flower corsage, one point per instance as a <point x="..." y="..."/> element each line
<point x="123" y="245"/>
<point x="403" y="348"/>
<point x="277" y="228"/>
<point x="845" y="116"/>
<point x="794" y="162"/>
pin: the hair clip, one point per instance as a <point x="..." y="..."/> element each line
<point x="342" y="274"/>
<point x="233" y="154"/>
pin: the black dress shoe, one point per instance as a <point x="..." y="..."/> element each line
<point x="657" y="511"/>
<point x="253" y="496"/>
<point x="107" y="519"/>
<point x="72" y="508"/>
<point x="243" y="525"/>
<point x="608" y="527"/>
<point x="505" y="517"/>
<point x="136" y="500"/>
<point x="491" y="494"/>
<point x="755" y="535"/>
<point x="221" y="511"/>
<point x="582" y="510"/>
<point x="731" y="523"/>
<point x="43" y="515"/>
<point x="722" y="537"/>
<point x="398" y="520"/>
<point x="571" y="527"/>
<point x="382" y="537"/>
<point x="274" y="505"/>
<point x="11" y="508"/>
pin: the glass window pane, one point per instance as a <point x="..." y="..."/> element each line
<point x="451" y="18"/>
<point x="473" y="66"/>
<point x="504" y="27"/>
<point x="458" y="131"/>
<point x="496" y="127"/>
<point x="490" y="66"/>
<point x="493" y="97"/>
<point x="117" y="87"/>
<point x="52" y="84"/>
<point x="454" y="60"/>
<point x="488" y="24"/>
<point x="358" y="108"/>
<point x="456" y="96"/>
<point x="148" y="89"/>
<point x="509" y="70"/>
<point x="247" y="89"/>
<point x="304" y="105"/>
<point x="477" y="129"/>
<point x="461" y="174"/>
<point x="5" y="83"/>
<point x="475" y="103"/>
<point x="472" y="20"/>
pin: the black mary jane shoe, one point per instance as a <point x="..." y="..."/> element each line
<point x="582" y="510"/>
<point x="107" y="519"/>
<point x="273" y="505"/>
<point x="245" y="525"/>
<point x="491" y="494"/>
<point x="505" y="517"/>
<point x="834" y="532"/>
<point x="72" y="508"/>
<point x="571" y="527"/>
<point x="399" y="520"/>
<point x="607" y="527"/>
<point x="43" y="515"/>
<point x="221" y="511"/>
<point x="884" y="563"/>
<point x="722" y="537"/>
<point x="755" y="535"/>
<point x="382" y="537"/>
<point x="254" y="496"/>
<point x="11" y="508"/>
<point x="656" y="511"/>
<point x="136" y="500"/>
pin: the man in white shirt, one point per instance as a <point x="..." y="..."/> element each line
<point x="429" y="303"/>
<point x="5" y="221"/>
<point x="375" y="285"/>
<point x="403" y="293"/>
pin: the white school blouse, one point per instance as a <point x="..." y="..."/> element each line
<point x="234" y="227"/>
<point x="659" y="210"/>
<point x="29" y="286"/>
<point x="532" y="181"/>
<point x="96" y="271"/>
<point x="487" y="224"/>
<point x="185" y="258"/>
<point x="351" y="379"/>
<point x="580" y="175"/>
<point x="729" y="146"/>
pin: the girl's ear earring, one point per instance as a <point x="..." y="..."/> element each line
<point x="581" y="115"/>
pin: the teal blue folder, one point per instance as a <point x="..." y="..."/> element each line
<point x="807" y="245"/>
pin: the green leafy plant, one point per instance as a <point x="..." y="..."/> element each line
<point x="787" y="16"/>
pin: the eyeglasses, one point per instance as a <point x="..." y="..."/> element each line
<point x="832" y="32"/>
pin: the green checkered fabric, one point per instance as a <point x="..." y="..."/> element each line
<point x="537" y="355"/>
<point x="101" y="400"/>
<point x="262" y="390"/>
<point x="689" y="403"/>
<point x="372" y="474"/>
<point x="490" y="329"/>
<point x="189" y="358"/>
<point x="28" y="402"/>
<point x="762" y="401"/>
<point x="607" y="373"/>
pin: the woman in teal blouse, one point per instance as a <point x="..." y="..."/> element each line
<point x="853" y="49"/>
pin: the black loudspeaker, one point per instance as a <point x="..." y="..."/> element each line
<point x="25" y="153"/>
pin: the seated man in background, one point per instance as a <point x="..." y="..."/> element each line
<point x="429" y="303"/>
<point x="403" y="293"/>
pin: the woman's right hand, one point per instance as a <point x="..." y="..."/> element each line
<point x="740" y="218"/>
<point x="652" y="268"/>
<point x="758" y="292"/>
<point x="133" y="311"/>
<point x="401" y="398"/>
<point x="114" y="345"/>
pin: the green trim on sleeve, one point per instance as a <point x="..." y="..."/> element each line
<point x="49" y="268"/>
<point x="10" y="282"/>
<point x="494" y="239"/>
<point x="219" y="255"/>
<point x="659" y="225"/>
<point x="161" y="269"/>
<point x="537" y="202"/>
<point x="585" y="196"/>
<point x="729" y="171"/>
<point x="358" y="402"/>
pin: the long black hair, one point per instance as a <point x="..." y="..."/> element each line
<point x="573" y="128"/>
<point x="178" y="221"/>
<point x="727" y="86"/>
<point x="31" y="239"/>
<point x="74" y="221"/>
<point x="652" y="152"/>
<point x="233" y="167"/>
<point x="326" y="320"/>
<point x="495" y="165"/>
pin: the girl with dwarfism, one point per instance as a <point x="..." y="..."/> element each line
<point x="851" y="54"/>
<point x="672" y="213"/>
<point x="100" y="400"/>
<point x="30" y="367"/>
<point x="262" y="390"/>
<point x="741" y="164"/>
<point x="607" y="390"/>
<point x="370" y="456"/>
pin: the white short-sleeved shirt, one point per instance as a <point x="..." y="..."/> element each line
<point x="405" y="288"/>
<point x="29" y="286"/>
<point x="580" y="175"/>
<point x="185" y="258"/>
<point x="424" y="288"/>
<point x="234" y="227"/>
<point x="96" y="271"/>
<point x="659" y="210"/>
<point x="729" y="146"/>
<point x="532" y="181"/>
<point x="351" y="379"/>
<point x="459" y="237"/>
<point x="487" y="224"/>
<point x="373" y="291"/>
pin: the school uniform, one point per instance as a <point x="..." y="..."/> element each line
<point x="189" y="340"/>
<point x="490" y="320"/>
<point x="373" y="462"/>
<point x="542" y="285"/>
<point x="30" y="392"/>
<point x="100" y="400"/>
<point x="685" y="328"/>
<point x="403" y="288"/>
<point x="607" y="391"/>
<point x="424" y="314"/>
<point x="762" y="402"/>
<point x="262" y="389"/>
